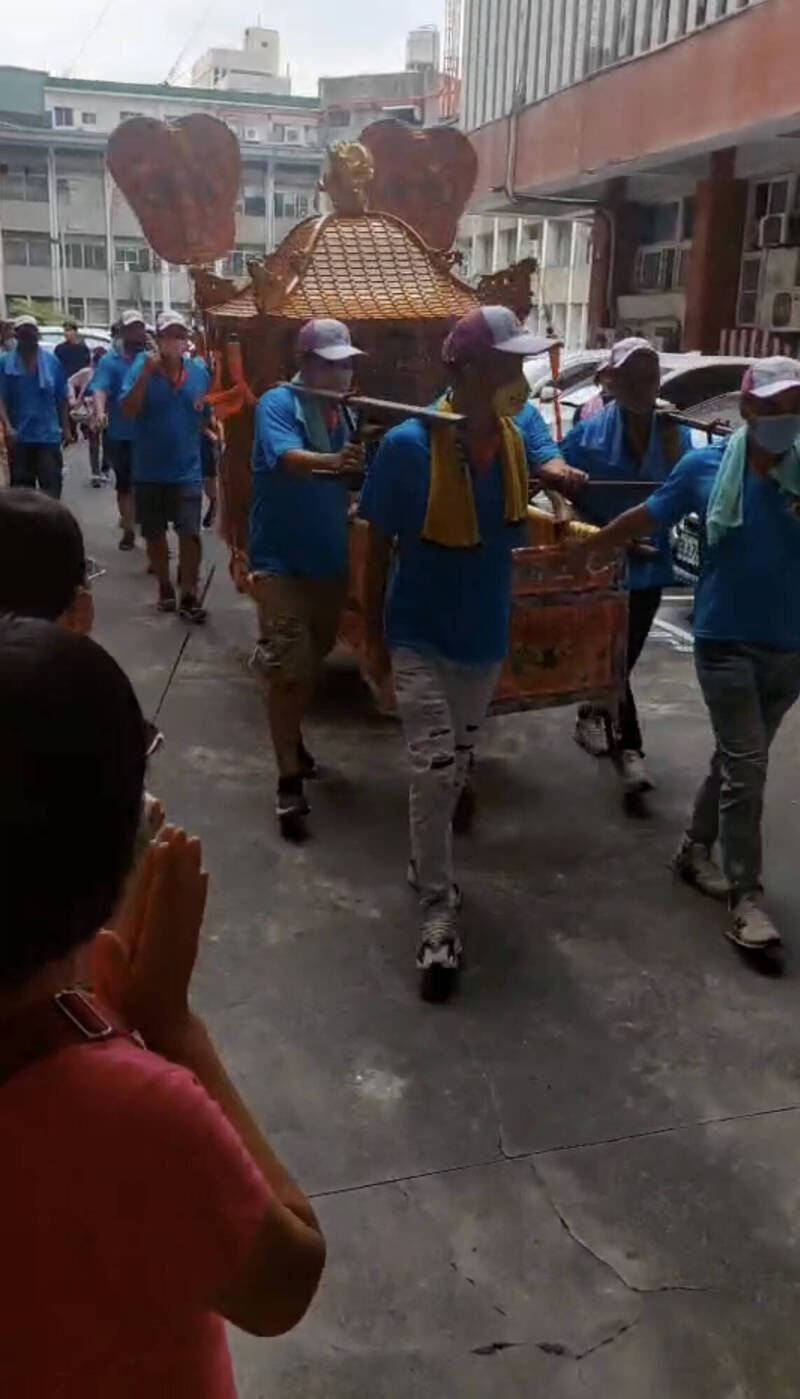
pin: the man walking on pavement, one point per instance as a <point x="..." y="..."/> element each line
<point x="451" y="504"/>
<point x="298" y="545"/>
<point x="33" y="410"/>
<point x="625" y="441"/>
<point x="106" y="389"/>
<point x="747" y="626"/>
<point x="162" y="394"/>
<point x="72" y="352"/>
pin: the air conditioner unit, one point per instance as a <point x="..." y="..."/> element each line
<point x="779" y="230"/>
<point x="781" y="270"/>
<point x="783" y="313"/>
<point x="251" y="134"/>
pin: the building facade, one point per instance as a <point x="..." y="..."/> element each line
<point x="674" y="126"/>
<point x="255" y="67"/>
<point x="562" y="249"/>
<point x="348" y="104"/>
<point x="67" y="235"/>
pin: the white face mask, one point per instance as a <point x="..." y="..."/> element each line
<point x="776" y="435"/>
<point x="337" y="378"/>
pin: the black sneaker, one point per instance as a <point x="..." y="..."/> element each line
<point x="128" y="540"/>
<point x="210" y="515"/>
<point x="309" y="768"/>
<point x="291" y="808"/>
<point x="97" y="482"/>
<point x="166" y="599"/>
<point x="191" y="611"/>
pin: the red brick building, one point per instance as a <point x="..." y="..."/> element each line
<point x="674" y="125"/>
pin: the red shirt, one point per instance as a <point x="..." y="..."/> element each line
<point x="127" y="1202"/>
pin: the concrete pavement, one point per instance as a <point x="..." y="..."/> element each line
<point x="581" y="1177"/>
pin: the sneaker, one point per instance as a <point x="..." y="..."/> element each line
<point x="166" y="599"/>
<point x="309" y="768"/>
<point x="751" y="927"/>
<point x="439" y="953"/>
<point x="191" y="611"/>
<point x="635" y="777"/>
<point x="591" y="732"/>
<point x="291" y="809"/>
<point x="128" y="540"/>
<point x="97" y="482"/>
<point x="694" y="863"/>
<point x="456" y="898"/>
<point x="210" y="515"/>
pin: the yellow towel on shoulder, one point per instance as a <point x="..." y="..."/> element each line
<point x="451" y="519"/>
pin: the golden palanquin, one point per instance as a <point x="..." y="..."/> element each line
<point x="399" y="296"/>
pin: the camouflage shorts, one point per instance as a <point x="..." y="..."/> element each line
<point x="298" y="620"/>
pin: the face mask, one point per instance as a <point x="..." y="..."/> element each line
<point x="776" y="435"/>
<point x="337" y="378"/>
<point x="509" y="399"/>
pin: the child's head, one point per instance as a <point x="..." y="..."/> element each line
<point x="72" y="759"/>
<point x="42" y="561"/>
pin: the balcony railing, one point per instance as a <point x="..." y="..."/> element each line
<point x="519" y="51"/>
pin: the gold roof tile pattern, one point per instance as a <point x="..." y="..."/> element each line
<point x="358" y="267"/>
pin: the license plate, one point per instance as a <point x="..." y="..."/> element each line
<point x="687" y="550"/>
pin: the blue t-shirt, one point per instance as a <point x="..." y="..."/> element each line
<point x="598" y="446"/>
<point x="749" y="586"/>
<point x="298" y="524"/>
<point x="33" y="397"/>
<point x="109" y="375"/>
<point x="539" y="443"/>
<point x="454" y="603"/>
<point x="166" y="440"/>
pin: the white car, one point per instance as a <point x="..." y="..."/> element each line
<point x="95" y="336"/>
<point x="686" y="380"/>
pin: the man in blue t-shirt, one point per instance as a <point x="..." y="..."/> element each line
<point x="747" y="626"/>
<point x="625" y="441"/>
<point x="105" y="386"/>
<point x="163" y="395"/>
<point x="446" y="507"/>
<point x="298" y="544"/>
<point x="34" y="412"/>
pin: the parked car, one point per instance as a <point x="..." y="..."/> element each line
<point x="687" y="380"/>
<point x="95" y="336"/>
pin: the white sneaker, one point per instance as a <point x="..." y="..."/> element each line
<point x="694" y="864"/>
<point x="591" y="733"/>
<point x="751" y="927"/>
<point x="635" y="777"/>
<point x="439" y="953"/>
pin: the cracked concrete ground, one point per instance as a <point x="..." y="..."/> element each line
<point x="582" y="1177"/>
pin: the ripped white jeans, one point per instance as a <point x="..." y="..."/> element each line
<point x="442" y="706"/>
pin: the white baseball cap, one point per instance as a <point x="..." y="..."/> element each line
<point x="766" y="377"/>
<point x="27" y="319"/>
<point x="633" y="345"/>
<point x="170" y="320"/>
<point x="131" y="317"/>
<point x="327" y="338"/>
<point x="491" y="328"/>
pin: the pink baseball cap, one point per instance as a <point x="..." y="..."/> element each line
<point x="766" y="377"/>
<point x="491" y="328"/>
<point x="632" y="345"/>
<point x="328" y="339"/>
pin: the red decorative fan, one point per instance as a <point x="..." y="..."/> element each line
<point x="182" y="179"/>
<point x="423" y="177"/>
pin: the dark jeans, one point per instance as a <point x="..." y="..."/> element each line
<point x="748" y="690"/>
<point x="35" y="464"/>
<point x="98" y="453"/>
<point x="642" y="608"/>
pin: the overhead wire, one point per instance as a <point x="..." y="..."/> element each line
<point x="93" y="28"/>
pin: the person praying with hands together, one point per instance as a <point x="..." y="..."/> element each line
<point x="142" y="1205"/>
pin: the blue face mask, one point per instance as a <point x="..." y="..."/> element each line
<point x="776" y="435"/>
